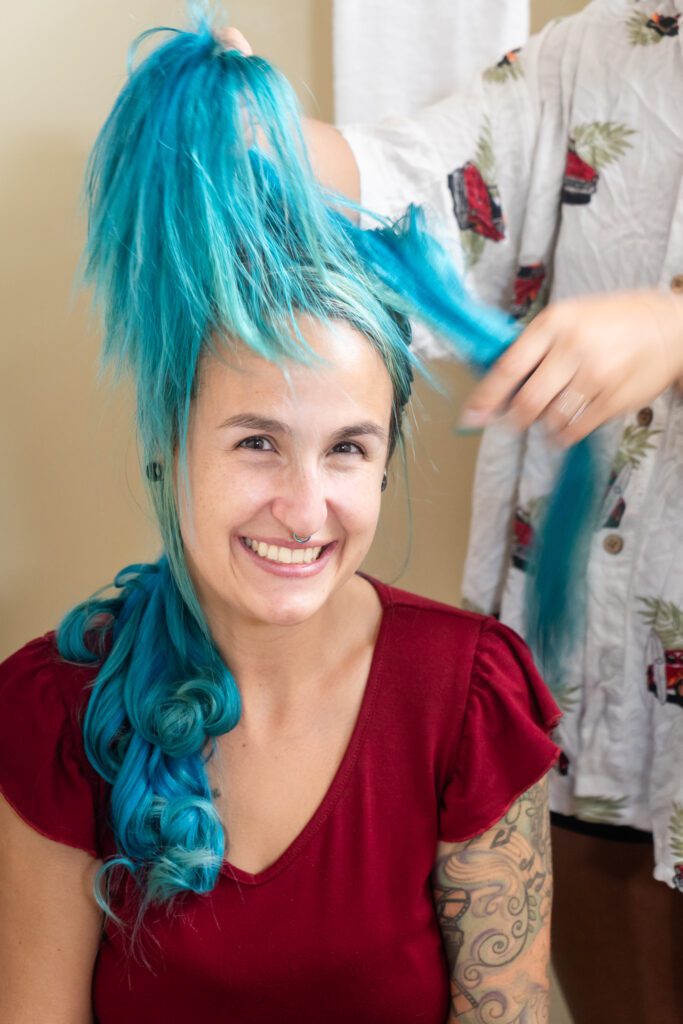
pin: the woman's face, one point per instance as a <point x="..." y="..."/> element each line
<point x="270" y="455"/>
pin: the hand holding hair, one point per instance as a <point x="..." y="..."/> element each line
<point x="232" y="39"/>
<point x="583" y="362"/>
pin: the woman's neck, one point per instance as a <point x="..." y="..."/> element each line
<point x="279" y="664"/>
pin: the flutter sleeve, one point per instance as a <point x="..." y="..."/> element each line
<point x="44" y="772"/>
<point x="505" y="745"/>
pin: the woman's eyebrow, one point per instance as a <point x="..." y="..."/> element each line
<point x="252" y="421"/>
<point x="360" y="430"/>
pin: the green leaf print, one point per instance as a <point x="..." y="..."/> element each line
<point x="666" y="619"/>
<point x="605" y="809"/>
<point x="473" y="246"/>
<point x="484" y="157"/>
<point x="633" y="447"/>
<point x="507" y="69"/>
<point x="676" y="831"/>
<point x="638" y="32"/>
<point x="602" y="142"/>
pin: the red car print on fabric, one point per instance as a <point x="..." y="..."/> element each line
<point x="476" y="200"/>
<point x="672" y="685"/>
<point x="678" y="877"/>
<point x="614" y="505"/>
<point x="591" y="148"/>
<point x="528" y="287"/>
<point x="522" y="539"/>
<point x="636" y="442"/>
<point x="524" y="525"/>
<point x="476" y="205"/>
<point x="664" y="650"/>
<point x="664" y="26"/>
<point x="580" y="180"/>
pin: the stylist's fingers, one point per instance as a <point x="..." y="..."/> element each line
<point x="549" y="391"/>
<point x="589" y="418"/>
<point x="491" y="395"/>
<point x="590" y="385"/>
<point x="232" y="39"/>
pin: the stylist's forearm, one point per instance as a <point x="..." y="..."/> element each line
<point x="332" y="159"/>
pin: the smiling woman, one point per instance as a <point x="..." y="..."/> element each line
<point x="228" y="784"/>
<point x="314" y="470"/>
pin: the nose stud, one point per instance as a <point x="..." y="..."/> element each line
<point x="301" y="540"/>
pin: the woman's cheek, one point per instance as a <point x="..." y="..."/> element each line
<point x="359" y="504"/>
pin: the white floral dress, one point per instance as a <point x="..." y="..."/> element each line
<point x="560" y="173"/>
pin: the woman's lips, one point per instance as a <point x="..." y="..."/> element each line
<point x="292" y="570"/>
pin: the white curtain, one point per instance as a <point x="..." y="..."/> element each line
<point x="394" y="56"/>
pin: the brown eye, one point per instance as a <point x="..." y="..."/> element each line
<point x="347" y="448"/>
<point x="257" y="444"/>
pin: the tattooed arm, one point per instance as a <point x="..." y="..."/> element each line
<point x="493" y="897"/>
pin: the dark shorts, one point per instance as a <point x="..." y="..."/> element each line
<point x="620" y="833"/>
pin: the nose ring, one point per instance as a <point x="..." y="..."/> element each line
<point x="301" y="540"/>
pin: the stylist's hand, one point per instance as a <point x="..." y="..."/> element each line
<point x="232" y="39"/>
<point x="584" y="361"/>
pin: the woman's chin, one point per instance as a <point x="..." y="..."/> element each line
<point x="287" y="612"/>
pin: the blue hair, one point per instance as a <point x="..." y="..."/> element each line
<point x="205" y="224"/>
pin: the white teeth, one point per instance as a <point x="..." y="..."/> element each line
<point x="286" y="556"/>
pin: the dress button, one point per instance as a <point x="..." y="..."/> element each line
<point x="613" y="543"/>
<point x="677" y="284"/>
<point x="644" y="417"/>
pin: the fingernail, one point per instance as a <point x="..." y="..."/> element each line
<point x="461" y="431"/>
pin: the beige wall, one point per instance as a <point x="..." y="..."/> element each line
<point x="71" y="507"/>
<point x="544" y="10"/>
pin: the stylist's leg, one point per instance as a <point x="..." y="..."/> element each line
<point x="617" y="934"/>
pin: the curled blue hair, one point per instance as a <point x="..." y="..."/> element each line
<point x="206" y="224"/>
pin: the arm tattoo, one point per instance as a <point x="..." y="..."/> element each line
<point x="493" y="896"/>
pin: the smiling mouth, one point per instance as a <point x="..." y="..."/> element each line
<point x="284" y="556"/>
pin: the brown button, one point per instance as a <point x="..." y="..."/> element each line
<point x="677" y="284"/>
<point x="644" y="417"/>
<point x="613" y="543"/>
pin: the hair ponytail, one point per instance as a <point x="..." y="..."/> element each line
<point x="161" y="696"/>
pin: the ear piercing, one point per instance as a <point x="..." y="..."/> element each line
<point x="385" y="481"/>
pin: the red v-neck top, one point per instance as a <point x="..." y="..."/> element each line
<point x="453" y="727"/>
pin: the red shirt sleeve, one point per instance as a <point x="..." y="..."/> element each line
<point x="505" y="744"/>
<point x="44" y="772"/>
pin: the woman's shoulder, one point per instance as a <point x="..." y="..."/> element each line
<point x="37" y="671"/>
<point x="422" y="617"/>
<point x="45" y="774"/>
<point x="463" y="650"/>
